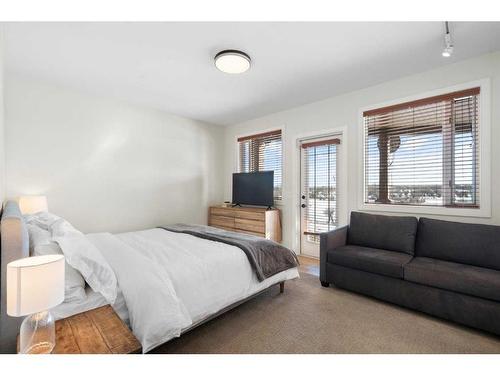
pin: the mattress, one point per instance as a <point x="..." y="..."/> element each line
<point x="92" y="301"/>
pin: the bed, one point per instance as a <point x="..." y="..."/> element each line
<point x="162" y="282"/>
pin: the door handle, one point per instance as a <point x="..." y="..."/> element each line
<point x="303" y="205"/>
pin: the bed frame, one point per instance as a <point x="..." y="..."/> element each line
<point x="14" y="244"/>
<point x="232" y="306"/>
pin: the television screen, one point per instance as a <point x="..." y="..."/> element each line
<point x="255" y="188"/>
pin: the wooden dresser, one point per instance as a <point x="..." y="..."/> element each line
<point x="257" y="221"/>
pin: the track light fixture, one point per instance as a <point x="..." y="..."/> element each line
<point x="448" y="45"/>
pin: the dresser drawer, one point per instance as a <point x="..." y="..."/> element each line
<point x="251" y="215"/>
<point x="252" y="233"/>
<point x="219" y="211"/>
<point x="250" y="225"/>
<point x="222" y="221"/>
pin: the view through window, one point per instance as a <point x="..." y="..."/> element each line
<point x="424" y="152"/>
<point x="263" y="152"/>
<point x="319" y="186"/>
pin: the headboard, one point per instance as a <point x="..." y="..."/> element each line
<point x="14" y="244"/>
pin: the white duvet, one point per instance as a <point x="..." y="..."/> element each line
<point x="171" y="281"/>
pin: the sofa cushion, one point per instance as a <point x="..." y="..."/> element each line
<point x="395" y="233"/>
<point x="462" y="278"/>
<point x="473" y="244"/>
<point x="382" y="262"/>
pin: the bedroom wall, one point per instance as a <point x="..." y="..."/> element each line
<point x="106" y="165"/>
<point x="343" y="111"/>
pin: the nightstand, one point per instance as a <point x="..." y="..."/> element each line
<point x="98" y="331"/>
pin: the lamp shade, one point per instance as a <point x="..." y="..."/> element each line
<point x="34" y="284"/>
<point x="31" y="204"/>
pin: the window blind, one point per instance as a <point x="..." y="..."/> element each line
<point x="263" y="152"/>
<point x="320" y="186"/>
<point x="424" y="152"/>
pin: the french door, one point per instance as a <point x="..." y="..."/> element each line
<point x="318" y="200"/>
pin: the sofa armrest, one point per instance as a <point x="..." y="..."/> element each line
<point x="327" y="241"/>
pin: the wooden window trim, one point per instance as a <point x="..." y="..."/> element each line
<point x="422" y="102"/>
<point x="332" y="141"/>
<point x="260" y="135"/>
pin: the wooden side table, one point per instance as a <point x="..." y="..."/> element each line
<point x="98" y="331"/>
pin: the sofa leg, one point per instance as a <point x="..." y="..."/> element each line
<point x="282" y="287"/>
<point x="325" y="284"/>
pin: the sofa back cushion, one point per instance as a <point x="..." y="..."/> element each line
<point x="473" y="244"/>
<point x="394" y="233"/>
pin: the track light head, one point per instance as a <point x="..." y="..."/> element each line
<point x="448" y="45"/>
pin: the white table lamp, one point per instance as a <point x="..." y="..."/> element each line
<point x="35" y="285"/>
<point x="31" y="204"/>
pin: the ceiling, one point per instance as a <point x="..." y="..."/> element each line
<point x="169" y="66"/>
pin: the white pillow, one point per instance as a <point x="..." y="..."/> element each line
<point x="81" y="254"/>
<point x="37" y="236"/>
<point x="40" y="241"/>
<point x="74" y="284"/>
<point x="42" y="220"/>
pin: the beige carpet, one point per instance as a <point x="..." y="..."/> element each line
<point x="310" y="319"/>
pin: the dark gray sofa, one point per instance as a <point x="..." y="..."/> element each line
<point x="447" y="269"/>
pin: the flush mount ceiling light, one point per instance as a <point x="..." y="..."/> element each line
<point x="232" y="61"/>
<point x="448" y="46"/>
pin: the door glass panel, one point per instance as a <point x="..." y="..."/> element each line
<point x="320" y="190"/>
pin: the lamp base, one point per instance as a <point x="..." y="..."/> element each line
<point x="38" y="334"/>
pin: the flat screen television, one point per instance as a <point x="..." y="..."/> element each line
<point x="254" y="188"/>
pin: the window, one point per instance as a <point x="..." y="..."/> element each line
<point x="424" y="153"/>
<point x="262" y="152"/>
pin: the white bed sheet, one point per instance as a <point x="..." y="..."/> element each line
<point x="92" y="301"/>
<point x="169" y="281"/>
<point x="207" y="275"/>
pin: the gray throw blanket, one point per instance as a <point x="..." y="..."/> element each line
<point x="266" y="257"/>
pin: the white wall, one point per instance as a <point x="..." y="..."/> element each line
<point x="343" y="111"/>
<point x="106" y="165"/>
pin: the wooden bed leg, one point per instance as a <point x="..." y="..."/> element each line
<point x="282" y="287"/>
